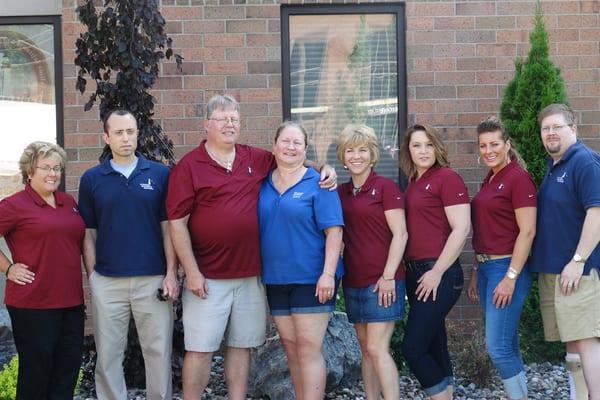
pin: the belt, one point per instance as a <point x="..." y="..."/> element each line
<point x="481" y="258"/>
<point x="420" y="264"/>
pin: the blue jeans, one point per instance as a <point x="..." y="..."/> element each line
<point x="425" y="344"/>
<point x="502" y="324"/>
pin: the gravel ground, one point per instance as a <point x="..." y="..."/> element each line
<point x="546" y="381"/>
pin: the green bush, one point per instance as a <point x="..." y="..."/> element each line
<point x="8" y="380"/>
<point x="536" y="84"/>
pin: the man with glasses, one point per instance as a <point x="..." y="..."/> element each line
<point x="566" y="250"/>
<point x="129" y="259"/>
<point x="212" y="210"/>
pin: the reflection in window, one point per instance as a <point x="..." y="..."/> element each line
<point x="27" y="95"/>
<point x="343" y="68"/>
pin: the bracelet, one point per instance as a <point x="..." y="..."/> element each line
<point x="329" y="274"/>
<point x="390" y="279"/>
<point x="475" y="267"/>
<point x="514" y="271"/>
<point x="8" y="269"/>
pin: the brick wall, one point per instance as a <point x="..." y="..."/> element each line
<point x="459" y="58"/>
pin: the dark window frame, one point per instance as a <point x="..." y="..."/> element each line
<point x="55" y="21"/>
<point x="398" y="9"/>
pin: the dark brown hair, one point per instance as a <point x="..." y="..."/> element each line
<point x="493" y="124"/>
<point x="441" y="154"/>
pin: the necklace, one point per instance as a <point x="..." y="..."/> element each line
<point x="356" y="190"/>
<point x="227" y="164"/>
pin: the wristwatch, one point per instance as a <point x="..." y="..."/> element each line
<point x="578" y="259"/>
<point x="512" y="274"/>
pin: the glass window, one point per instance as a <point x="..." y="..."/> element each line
<point x="345" y="64"/>
<point x="30" y="90"/>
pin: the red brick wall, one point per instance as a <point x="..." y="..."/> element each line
<point x="459" y="58"/>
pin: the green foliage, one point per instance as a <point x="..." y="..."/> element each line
<point x="8" y="380"/>
<point x="531" y="335"/>
<point x="359" y="63"/>
<point x="536" y="84"/>
<point x="121" y="50"/>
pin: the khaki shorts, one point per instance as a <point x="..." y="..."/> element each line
<point x="574" y="317"/>
<point x="234" y="308"/>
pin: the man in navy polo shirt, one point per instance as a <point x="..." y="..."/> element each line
<point x="129" y="257"/>
<point x="566" y="250"/>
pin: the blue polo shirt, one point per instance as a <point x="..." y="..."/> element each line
<point x="292" y="240"/>
<point x="126" y="212"/>
<point x="569" y="188"/>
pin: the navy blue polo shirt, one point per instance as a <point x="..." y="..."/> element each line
<point x="569" y="188"/>
<point x="126" y="213"/>
<point x="292" y="241"/>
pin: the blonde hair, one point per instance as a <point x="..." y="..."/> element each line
<point x="441" y="154"/>
<point x="36" y="151"/>
<point x="357" y="135"/>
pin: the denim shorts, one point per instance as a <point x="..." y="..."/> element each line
<point x="362" y="305"/>
<point x="298" y="298"/>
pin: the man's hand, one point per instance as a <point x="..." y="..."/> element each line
<point x="328" y="177"/>
<point x="197" y="284"/>
<point x="170" y="286"/>
<point x="570" y="276"/>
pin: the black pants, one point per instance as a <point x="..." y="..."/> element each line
<point x="49" y="343"/>
<point x="425" y="344"/>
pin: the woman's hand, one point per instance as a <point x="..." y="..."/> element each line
<point x="387" y="291"/>
<point x="503" y="292"/>
<point x="472" y="289"/>
<point x="325" y="288"/>
<point x="428" y="285"/>
<point x="20" y="274"/>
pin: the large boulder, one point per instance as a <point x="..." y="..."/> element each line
<point x="269" y="374"/>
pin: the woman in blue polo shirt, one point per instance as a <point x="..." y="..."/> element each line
<point x="504" y="216"/>
<point x="44" y="294"/>
<point x="301" y="237"/>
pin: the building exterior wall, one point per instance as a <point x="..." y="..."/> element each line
<point x="460" y="56"/>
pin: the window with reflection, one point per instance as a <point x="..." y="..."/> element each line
<point x="345" y="64"/>
<point x="30" y="90"/>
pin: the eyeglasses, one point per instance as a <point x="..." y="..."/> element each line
<point x="554" y="128"/>
<point x="225" y="121"/>
<point x="46" y="168"/>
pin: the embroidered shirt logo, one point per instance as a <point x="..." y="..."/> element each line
<point x="249" y="170"/>
<point x="531" y="195"/>
<point x="297" y="195"/>
<point x="561" y="179"/>
<point x="500" y="186"/>
<point x="75" y="210"/>
<point x="461" y="194"/>
<point x="147" y="185"/>
<point x="428" y="186"/>
<point x="373" y="193"/>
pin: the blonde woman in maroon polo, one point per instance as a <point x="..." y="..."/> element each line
<point x="374" y="237"/>
<point x="44" y="295"/>
<point x="504" y="217"/>
<point x="438" y="222"/>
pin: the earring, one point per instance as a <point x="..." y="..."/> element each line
<point x="479" y="161"/>
<point x="345" y="167"/>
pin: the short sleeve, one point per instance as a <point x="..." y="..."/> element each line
<point x="8" y="216"/>
<point x="265" y="160"/>
<point x="328" y="209"/>
<point x="454" y="191"/>
<point x="181" y="193"/>
<point x="524" y="193"/>
<point x="392" y="196"/>
<point x="587" y="183"/>
<point x="86" y="203"/>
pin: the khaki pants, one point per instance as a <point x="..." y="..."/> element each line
<point x="113" y="301"/>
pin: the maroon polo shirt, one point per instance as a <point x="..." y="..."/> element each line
<point x="222" y="206"/>
<point x="495" y="226"/>
<point x="49" y="241"/>
<point x="367" y="236"/>
<point x="426" y="222"/>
